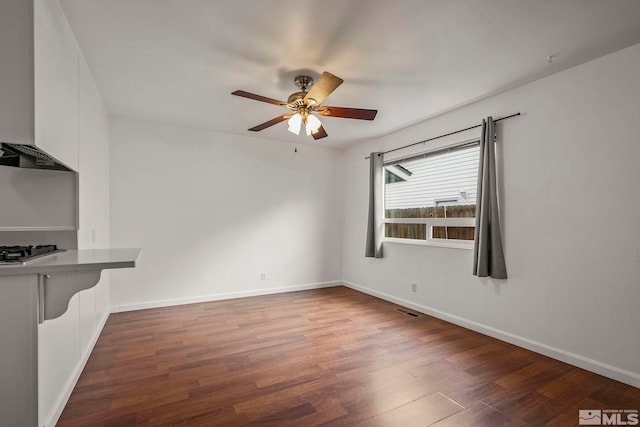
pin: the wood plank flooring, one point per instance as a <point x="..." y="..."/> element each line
<point x="332" y="357"/>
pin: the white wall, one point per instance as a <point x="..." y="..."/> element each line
<point x="213" y="211"/>
<point x="570" y="210"/>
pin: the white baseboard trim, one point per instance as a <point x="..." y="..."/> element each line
<point x="223" y="296"/>
<point x="606" y="370"/>
<point x="65" y="393"/>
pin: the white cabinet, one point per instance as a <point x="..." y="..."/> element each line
<point x="93" y="168"/>
<point x="56" y="83"/>
<point x="72" y="124"/>
<point x="58" y="360"/>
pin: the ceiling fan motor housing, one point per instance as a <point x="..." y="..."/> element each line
<point x="297" y="98"/>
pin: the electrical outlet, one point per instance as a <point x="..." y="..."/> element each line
<point x="414" y="287"/>
<point x="263" y="276"/>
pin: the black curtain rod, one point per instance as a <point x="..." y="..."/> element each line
<point x="446" y="134"/>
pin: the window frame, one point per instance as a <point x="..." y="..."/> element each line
<point x="429" y="222"/>
<point x="433" y="222"/>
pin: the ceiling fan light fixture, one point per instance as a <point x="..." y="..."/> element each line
<point x="312" y="124"/>
<point x="295" y="123"/>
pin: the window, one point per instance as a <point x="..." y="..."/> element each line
<point x="432" y="199"/>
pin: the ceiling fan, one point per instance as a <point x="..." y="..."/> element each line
<point x="306" y="104"/>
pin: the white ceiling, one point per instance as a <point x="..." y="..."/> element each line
<point x="177" y="61"/>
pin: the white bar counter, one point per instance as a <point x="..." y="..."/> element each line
<point x="75" y="260"/>
<point x="33" y="293"/>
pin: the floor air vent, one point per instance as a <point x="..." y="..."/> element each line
<point x="407" y="313"/>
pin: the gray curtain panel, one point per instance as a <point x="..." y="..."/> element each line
<point x="375" y="230"/>
<point x="488" y="256"/>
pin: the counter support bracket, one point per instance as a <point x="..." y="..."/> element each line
<point x="56" y="290"/>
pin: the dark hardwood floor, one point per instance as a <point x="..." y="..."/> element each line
<point x="333" y="357"/>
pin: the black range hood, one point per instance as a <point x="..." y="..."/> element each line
<point x="28" y="156"/>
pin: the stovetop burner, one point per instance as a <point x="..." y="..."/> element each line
<point x="21" y="254"/>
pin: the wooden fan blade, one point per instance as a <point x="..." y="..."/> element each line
<point x="348" y="113"/>
<point x="326" y="84"/>
<point x="320" y="134"/>
<point x="258" y="97"/>
<point x="270" y="123"/>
